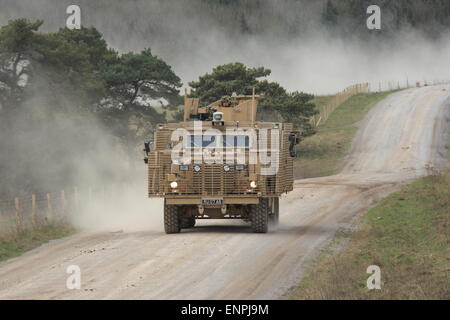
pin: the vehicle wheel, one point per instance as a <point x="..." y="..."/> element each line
<point x="188" y="222"/>
<point x="260" y="216"/>
<point x="274" y="216"/>
<point x="171" y="219"/>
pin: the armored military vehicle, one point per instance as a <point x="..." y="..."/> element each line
<point x="220" y="163"/>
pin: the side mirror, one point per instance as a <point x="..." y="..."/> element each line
<point x="293" y="140"/>
<point x="147" y="150"/>
<point x="291" y="137"/>
<point x="294" y="137"/>
<point x="147" y="147"/>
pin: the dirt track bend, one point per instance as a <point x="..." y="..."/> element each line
<point x="224" y="260"/>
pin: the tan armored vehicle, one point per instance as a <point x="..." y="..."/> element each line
<point x="220" y="163"/>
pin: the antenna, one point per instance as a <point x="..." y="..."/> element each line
<point x="186" y="110"/>
<point x="253" y="105"/>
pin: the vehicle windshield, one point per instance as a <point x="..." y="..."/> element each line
<point x="204" y="141"/>
<point x="236" y="141"/>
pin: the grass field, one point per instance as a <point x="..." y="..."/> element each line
<point x="13" y="245"/>
<point x="322" y="153"/>
<point x="322" y="101"/>
<point x="406" y="235"/>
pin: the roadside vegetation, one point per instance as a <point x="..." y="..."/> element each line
<point x="322" y="101"/>
<point x="15" y="244"/>
<point x="406" y="235"/>
<point x="322" y="153"/>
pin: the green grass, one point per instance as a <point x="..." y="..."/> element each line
<point x="322" y="153"/>
<point x="13" y="245"/>
<point x="406" y="235"/>
<point x="321" y="101"/>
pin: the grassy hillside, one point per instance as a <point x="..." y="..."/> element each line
<point x="321" y="154"/>
<point x="406" y="235"/>
<point x="13" y="245"/>
<point x="322" y="101"/>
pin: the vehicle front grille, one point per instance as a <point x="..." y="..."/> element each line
<point x="214" y="180"/>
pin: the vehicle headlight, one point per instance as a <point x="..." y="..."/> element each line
<point x="226" y="168"/>
<point x="197" y="168"/>
<point x="173" y="184"/>
<point x="217" y="116"/>
<point x="253" y="184"/>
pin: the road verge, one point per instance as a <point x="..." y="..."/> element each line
<point x="406" y="236"/>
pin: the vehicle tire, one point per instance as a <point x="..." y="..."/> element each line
<point x="171" y="219"/>
<point x="274" y="216"/>
<point x="188" y="222"/>
<point x="260" y="216"/>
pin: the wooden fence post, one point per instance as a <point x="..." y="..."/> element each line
<point x="2" y="227"/>
<point x="18" y="215"/>
<point x="49" y="207"/>
<point x="75" y="199"/>
<point x="63" y="203"/>
<point x="90" y="195"/>
<point x="33" y="210"/>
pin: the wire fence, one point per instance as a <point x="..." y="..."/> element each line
<point x="380" y="86"/>
<point x="31" y="212"/>
<point x="21" y="214"/>
<point x="336" y="101"/>
<point x="391" y="85"/>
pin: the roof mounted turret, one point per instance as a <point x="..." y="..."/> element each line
<point x="232" y="108"/>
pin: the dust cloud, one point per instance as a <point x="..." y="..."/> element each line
<point x="53" y="147"/>
<point x="120" y="208"/>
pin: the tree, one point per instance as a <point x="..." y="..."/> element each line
<point x="72" y="60"/>
<point x="226" y="79"/>
<point x="277" y="104"/>
<point x="17" y="47"/>
<point x="134" y="81"/>
<point x="140" y="77"/>
<point x="295" y="107"/>
<point x="330" y="14"/>
<point x="53" y="89"/>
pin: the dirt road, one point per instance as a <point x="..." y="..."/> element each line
<point x="224" y="260"/>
